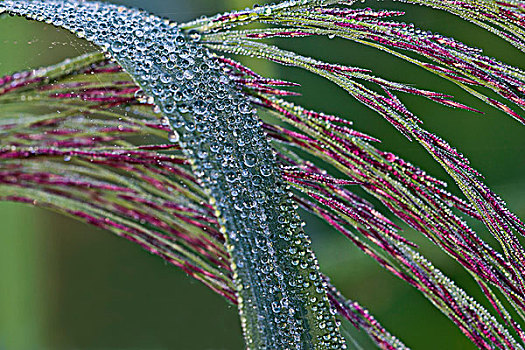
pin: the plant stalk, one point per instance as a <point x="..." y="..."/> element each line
<point x="282" y="299"/>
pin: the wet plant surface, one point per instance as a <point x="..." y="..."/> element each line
<point x="214" y="189"/>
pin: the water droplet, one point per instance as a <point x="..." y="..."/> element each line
<point x="174" y="136"/>
<point x="117" y="46"/>
<point x="250" y="160"/>
<point x="245" y="108"/>
<point x="266" y="171"/>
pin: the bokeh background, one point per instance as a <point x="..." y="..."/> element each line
<point x="65" y="285"/>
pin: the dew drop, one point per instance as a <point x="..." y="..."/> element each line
<point x="250" y="160"/>
<point x="117" y="46"/>
<point x="173" y="136"/>
<point x="266" y="171"/>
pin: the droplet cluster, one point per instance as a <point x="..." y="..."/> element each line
<point x="282" y="299"/>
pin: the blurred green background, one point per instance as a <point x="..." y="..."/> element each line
<point x="65" y="285"/>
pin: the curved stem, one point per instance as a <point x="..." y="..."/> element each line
<point x="282" y="299"/>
